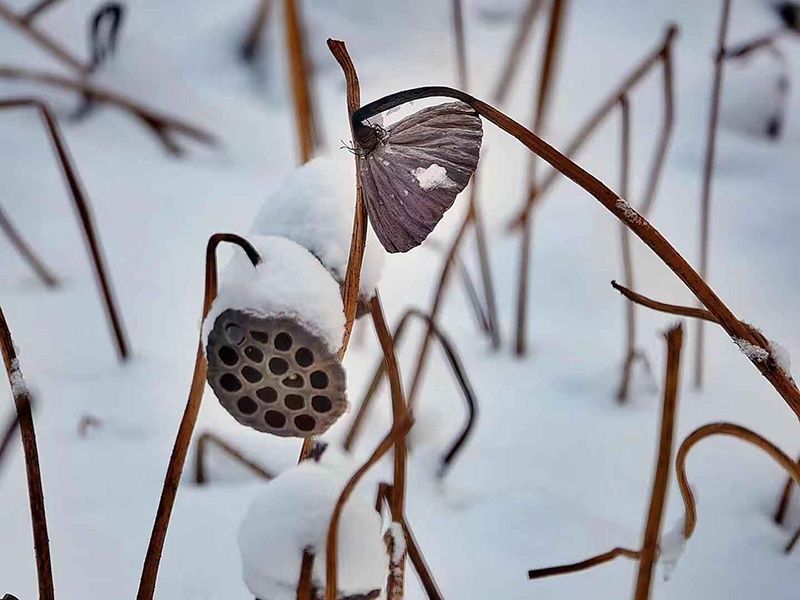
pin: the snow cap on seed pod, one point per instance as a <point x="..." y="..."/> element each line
<point x="271" y="339"/>
<point x="314" y="207"/>
<point x="292" y="514"/>
<point x="412" y="171"/>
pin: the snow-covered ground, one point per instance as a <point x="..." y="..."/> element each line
<point x="556" y="470"/>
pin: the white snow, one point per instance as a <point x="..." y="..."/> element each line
<point x="781" y="356"/>
<point x="18" y="386"/>
<point x="752" y="351"/>
<point x="398" y="542"/>
<point x="671" y="547"/>
<point x="289" y="281"/>
<point x="433" y="177"/>
<point x="293" y="513"/>
<point x="629" y="212"/>
<point x="314" y="206"/>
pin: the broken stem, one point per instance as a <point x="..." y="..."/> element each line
<point x="584" y="564"/>
<point x="25" y="251"/>
<point x="206" y="439"/>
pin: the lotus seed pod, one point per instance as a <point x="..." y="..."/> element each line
<point x="271" y="340"/>
<point x="412" y="172"/>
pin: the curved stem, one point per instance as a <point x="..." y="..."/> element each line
<point x="177" y="459"/>
<point x="19" y="390"/>
<point x="623" y="211"/>
<point x="585" y="564"/>
<point x="731" y="430"/>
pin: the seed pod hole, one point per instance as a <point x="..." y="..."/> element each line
<point x="295" y="381"/>
<point x="252" y="375"/>
<point x="278" y="366"/>
<point x="319" y="380"/>
<point x="247" y="405"/>
<point x="267" y="395"/>
<point x="305" y="422"/>
<point x="294" y="402"/>
<point x="253" y="353"/>
<point x="228" y="355"/>
<point x="274" y="419"/>
<point x="234" y="333"/>
<point x="260" y="336"/>
<point x="304" y="357"/>
<point x="321" y="404"/>
<point x="230" y="382"/>
<point x="283" y="342"/>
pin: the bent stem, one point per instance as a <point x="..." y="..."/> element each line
<point x="19" y="390"/>
<point x="81" y="202"/>
<point x="26" y="252"/>
<point x="460" y="373"/>
<point x="783" y="503"/>
<point x="724" y="429"/>
<point x="658" y="496"/>
<point x="585" y="564"/>
<point x="177" y="459"/>
<point x="207" y="439"/>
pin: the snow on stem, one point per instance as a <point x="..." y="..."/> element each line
<point x="22" y="401"/>
<point x="81" y="202"/>
<point x="147" y="583"/>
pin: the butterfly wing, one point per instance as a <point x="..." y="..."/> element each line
<point x="412" y="177"/>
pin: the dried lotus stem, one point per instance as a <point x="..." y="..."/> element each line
<point x="780" y="380"/>
<point x="206" y="439"/>
<point x="672" y="309"/>
<point x="81" y="202"/>
<point x="255" y="33"/>
<point x="25" y="251"/>
<point x="783" y="504"/>
<point x="299" y="74"/>
<point x="305" y="584"/>
<point x="19" y="390"/>
<point x="147" y="584"/>
<point x="584" y="564"/>
<point x="731" y="430"/>
<point x="521" y="38"/>
<point x="708" y="173"/>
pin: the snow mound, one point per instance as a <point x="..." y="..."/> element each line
<point x="672" y="545"/>
<point x="292" y="514"/>
<point x="288" y="282"/>
<point x="314" y="207"/>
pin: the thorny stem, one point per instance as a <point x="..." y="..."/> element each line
<point x="159" y="124"/>
<point x="458" y="371"/>
<point x="623" y="211"/>
<point x="659" y="54"/>
<point x="19" y="390"/>
<point x="584" y="564"/>
<point x="397" y="431"/>
<point x="81" y="202"/>
<point x="727" y="429"/>
<point x="541" y="110"/>
<point x="25" y="251"/>
<point x="515" y="54"/>
<point x="206" y="439"/>
<point x="359" y="236"/>
<point x="177" y="459"/>
<point x="658" y="496"/>
<point x="298" y="71"/>
<point x="708" y="174"/>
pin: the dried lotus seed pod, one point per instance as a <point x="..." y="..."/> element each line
<point x="274" y="375"/>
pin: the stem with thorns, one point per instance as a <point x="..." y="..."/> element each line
<point x="25" y="251"/>
<point x="81" y="201"/>
<point x="19" y="390"/>
<point x="177" y="459"/>
<point x="708" y="174"/>
<point x="159" y="124"/>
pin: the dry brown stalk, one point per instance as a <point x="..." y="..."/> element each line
<point x="458" y="371"/>
<point x="731" y="430"/>
<point x="541" y="108"/>
<point x="177" y="459"/>
<point x="8" y="435"/>
<point x="19" y="390"/>
<point x="206" y="439"/>
<point x="37" y="9"/>
<point x="672" y="309"/>
<point x="584" y="564"/>
<point x="24" y="24"/>
<point x="783" y="504"/>
<point x="305" y="584"/>
<point x="81" y="201"/>
<point x="298" y="71"/>
<point x="521" y="38"/>
<point x="25" y="251"/>
<point x="461" y="48"/>
<point x="397" y="431"/>
<point x="359" y="236"/>
<point x="161" y="125"/>
<point x="708" y="173"/>
<point x="255" y="32"/>
<point x="658" y="497"/>
<point x="658" y="54"/>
